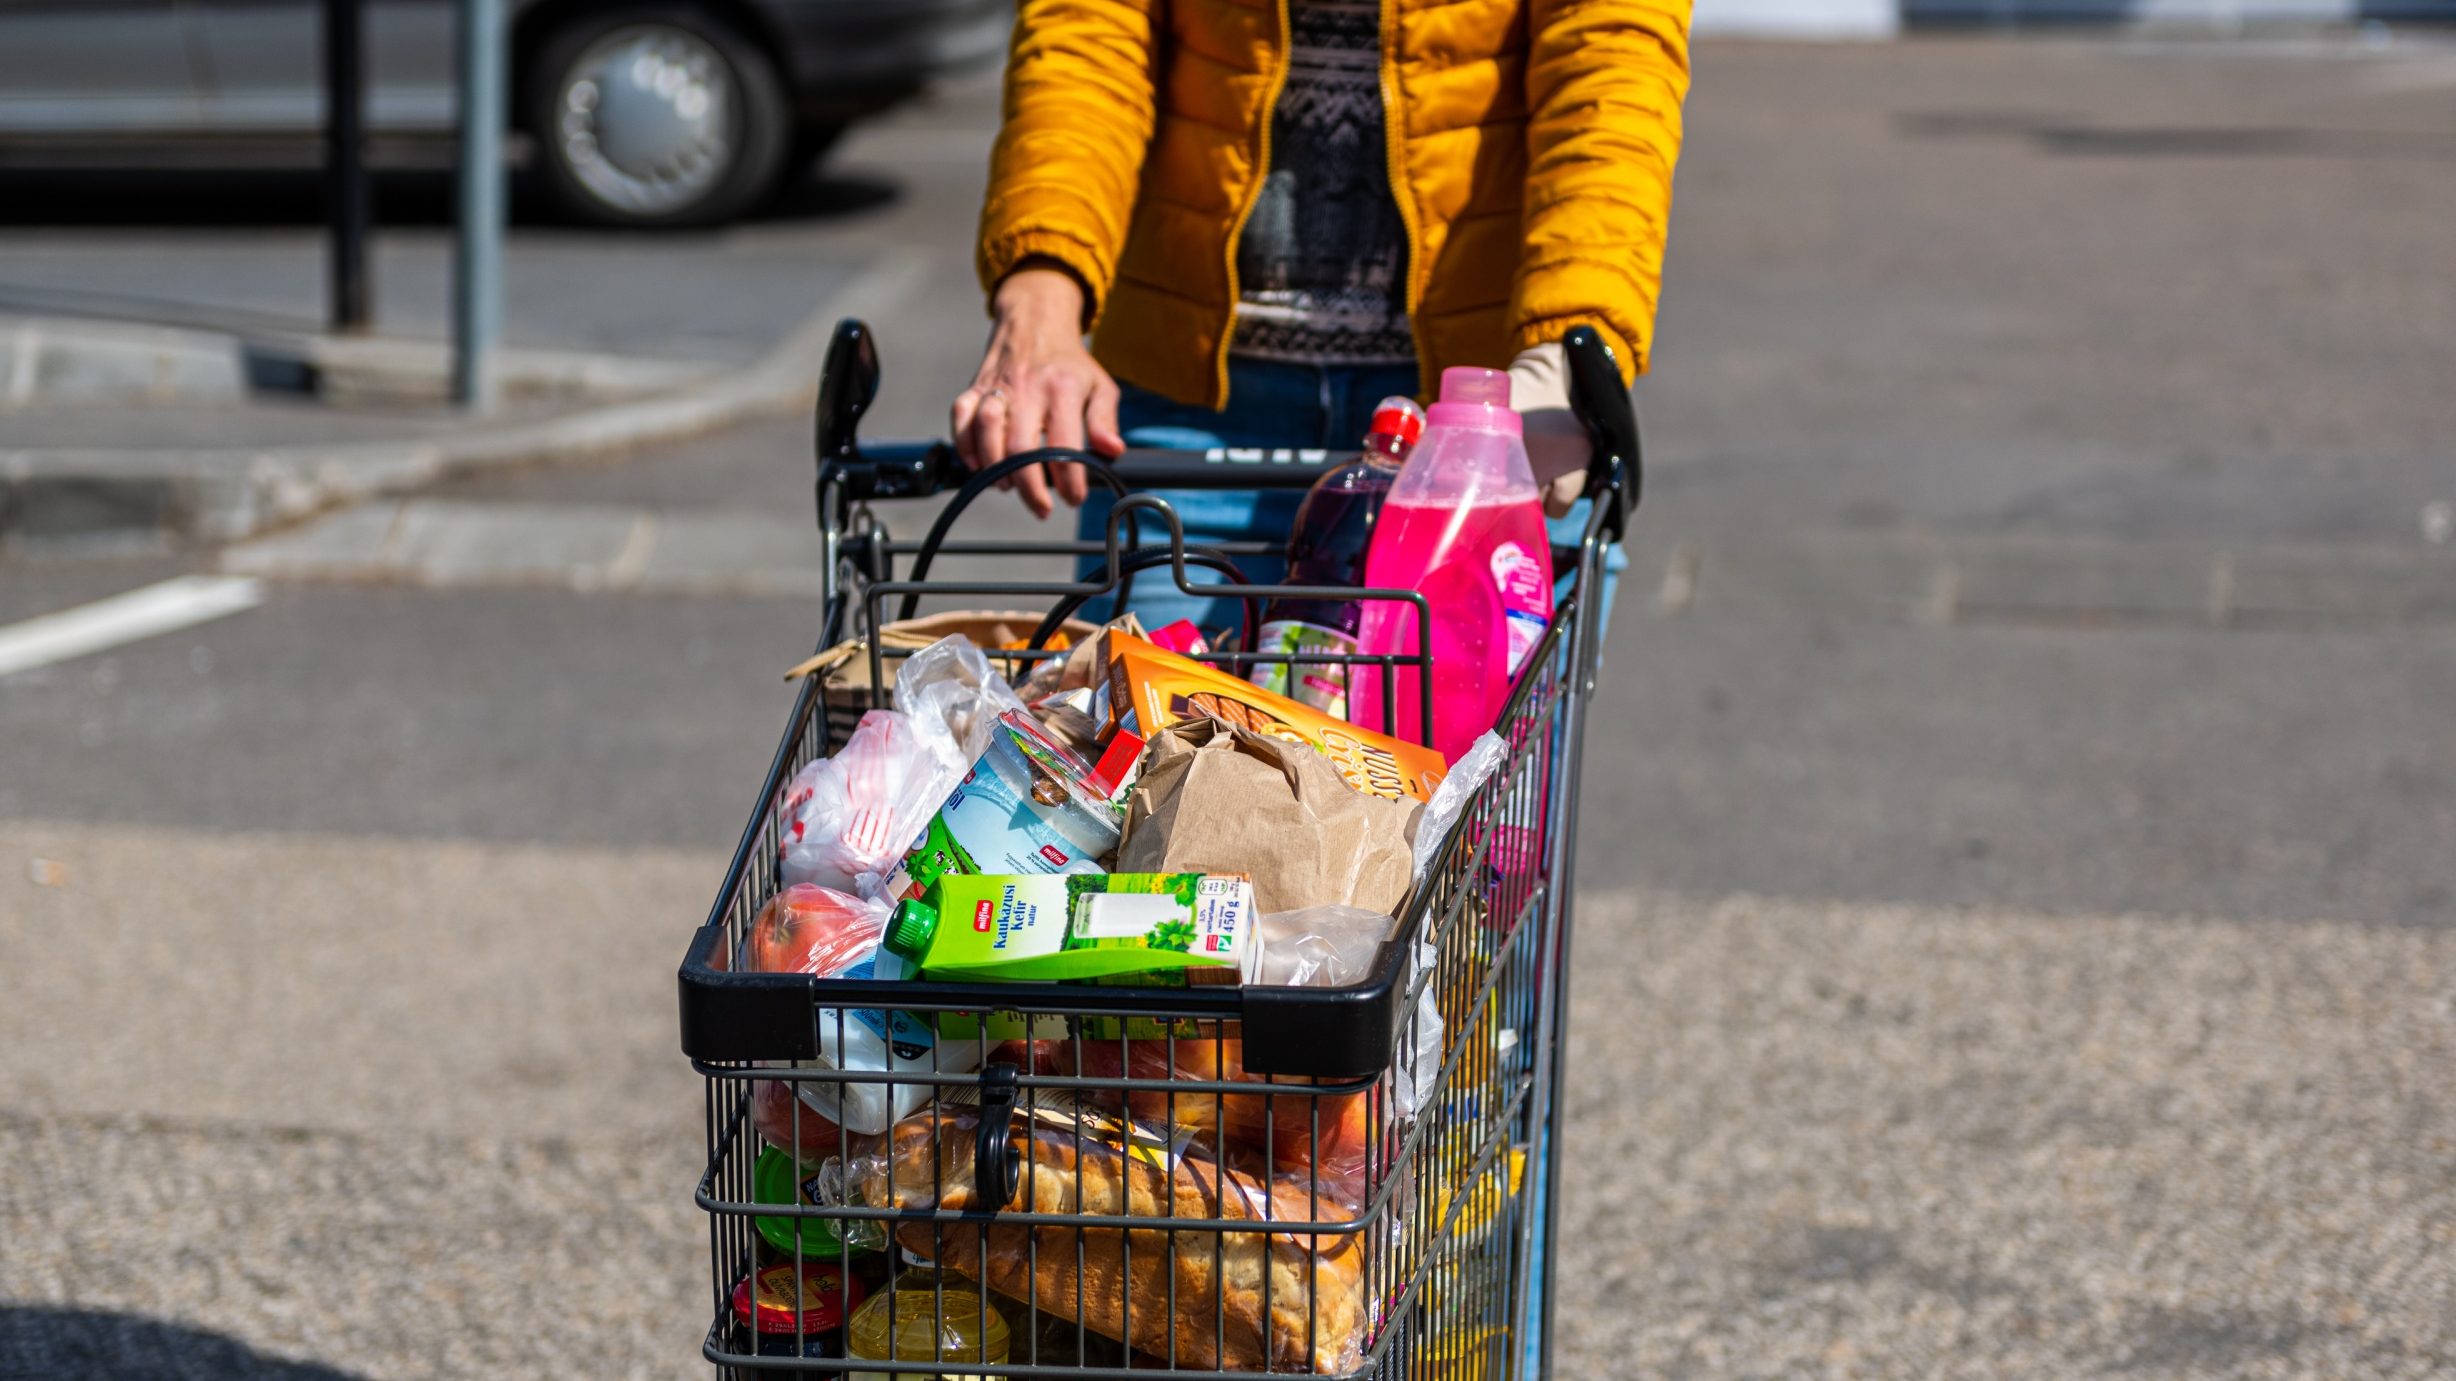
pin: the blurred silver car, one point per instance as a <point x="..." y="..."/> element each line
<point x="675" y="112"/>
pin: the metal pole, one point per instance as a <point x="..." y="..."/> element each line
<point x="477" y="277"/>
<point x="350" y="203"/>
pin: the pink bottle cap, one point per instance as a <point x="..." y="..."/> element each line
<point x="1477" y="398"/>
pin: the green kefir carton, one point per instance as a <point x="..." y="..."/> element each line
<point x="1130" y="929"/>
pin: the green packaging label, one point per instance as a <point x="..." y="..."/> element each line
<point x="992" y="921"/>
<point x="1208" y="919"/>
<point x="1132" y="929"/>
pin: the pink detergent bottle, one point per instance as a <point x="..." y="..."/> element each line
<point x="1464" y="527"/>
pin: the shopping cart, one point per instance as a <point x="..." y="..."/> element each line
<point x="1181" y="1183"/>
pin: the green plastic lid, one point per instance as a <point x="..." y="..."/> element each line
<point x="776" y="1178"/>
<point x="908" y="935"/>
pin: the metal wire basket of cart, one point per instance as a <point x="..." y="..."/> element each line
<point x="1061" y="1179"/>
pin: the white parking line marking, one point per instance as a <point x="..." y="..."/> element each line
<point x="174" y="604"/>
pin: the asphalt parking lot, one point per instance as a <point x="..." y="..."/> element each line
<point x="2008" y="947"/>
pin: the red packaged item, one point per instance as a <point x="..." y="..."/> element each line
<point x="1118" y="764"/>
<point x="1181" y="637"/>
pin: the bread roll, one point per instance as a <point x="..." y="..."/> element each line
<point x="1298" y="1295"/>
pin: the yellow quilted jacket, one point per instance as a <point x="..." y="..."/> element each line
<point x="1531" y="149"/>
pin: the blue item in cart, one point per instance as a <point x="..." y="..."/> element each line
<point x="1025" y="807"/>
<point x="1531" y="1331"/>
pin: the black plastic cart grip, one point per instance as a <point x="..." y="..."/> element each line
<point x="996" y="1164"/>
<point x="1601" y="401"/>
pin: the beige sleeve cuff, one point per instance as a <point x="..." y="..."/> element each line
<point x="1556" y="443"/>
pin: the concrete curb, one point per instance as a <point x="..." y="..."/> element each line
<point x="222" y="495"/>
<point x="1932" y="580"/>
<point x="462" y="544"/>
<point x="52" y="361"/>
<point x="63" y="360"/>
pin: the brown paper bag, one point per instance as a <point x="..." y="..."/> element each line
<point x="845" y="668"/>
<point x="1215" y="799"/>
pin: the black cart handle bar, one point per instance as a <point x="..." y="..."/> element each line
<point x="850" y="472"/>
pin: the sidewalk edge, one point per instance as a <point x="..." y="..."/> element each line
<point x="225" y="495"/>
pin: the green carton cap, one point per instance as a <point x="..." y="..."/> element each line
<point x="908" y="935"/>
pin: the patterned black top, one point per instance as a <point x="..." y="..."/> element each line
<point x="1322" y="265"/>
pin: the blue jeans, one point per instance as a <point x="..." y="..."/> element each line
<point x="1269" y="404"/>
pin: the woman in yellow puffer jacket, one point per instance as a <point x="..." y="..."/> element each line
<point x="1270" y="213"/>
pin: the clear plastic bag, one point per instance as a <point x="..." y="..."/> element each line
<point x="954" y="697"/>
<point x="1419" y="1067"/>
<point x="1230" y="1300"/>
<point x="814" y="930"/>
<point x="849" y="818"/>
<point x="1321" y="946"/>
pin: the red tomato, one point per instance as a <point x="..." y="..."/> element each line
<point x="807" y="929"/>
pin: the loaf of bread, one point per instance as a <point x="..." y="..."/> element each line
<point x="1303" y="1132"/>
<point x="1296" y="1298"/>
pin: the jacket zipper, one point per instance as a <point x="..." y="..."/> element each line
<point x="1253" y="198"/>
<point x="1395" y="140"/>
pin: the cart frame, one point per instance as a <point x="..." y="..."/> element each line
<point x="1434" y="1220"/>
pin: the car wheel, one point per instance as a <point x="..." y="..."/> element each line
<point x="657" y="117"/>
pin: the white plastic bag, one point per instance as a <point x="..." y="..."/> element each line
<point x="1413" y="1081"/>
<point x="850" y="818"/>
<point x="1467" y="776"/>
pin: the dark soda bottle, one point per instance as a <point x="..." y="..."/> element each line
<point x="1333" y="531"/>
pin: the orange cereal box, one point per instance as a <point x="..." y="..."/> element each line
<point x="1150" y="689"/>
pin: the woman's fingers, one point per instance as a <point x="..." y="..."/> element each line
<point x="1100" y="417"/>
<point x="1065" y="426"/>
<point x="989" y="428"/>
<point x="959" y="426"/>
<point x="1032" y="485"/>
<point x="1030" y="405"/>
<point x="1017" y="405"/>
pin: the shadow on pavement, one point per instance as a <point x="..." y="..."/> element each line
<point x="45" y="1343"/>
<point x="188" y="198"/>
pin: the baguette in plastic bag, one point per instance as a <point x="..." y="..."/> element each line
<point x="1295" y="1298"/>
<point x="1308" y="1136"/>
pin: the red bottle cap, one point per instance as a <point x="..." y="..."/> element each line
<point x="825" y="1294"/>
<point x="1398" y="417"/>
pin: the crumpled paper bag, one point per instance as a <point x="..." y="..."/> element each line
<point x="1217" y="799"/>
